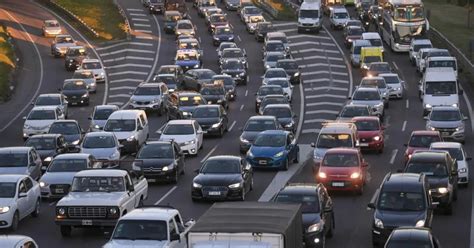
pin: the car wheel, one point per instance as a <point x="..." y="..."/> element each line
<point x="140" y="203"/>
<point x="286" y="164"/>
<point x="221" y="131"/>
<point x="15" y="220"/>
<point x="66" y="231"/>
<point x="296" y="158"/>
<point x="242" y="196"/>
<point x="175" y="177"/>
<point x="36" y="212"/>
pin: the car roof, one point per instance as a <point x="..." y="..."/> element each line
<point x="102" y="172"/>
<point x="425" y="132"/>
<point x="50" y="95"/>
<point x="451" y="108"/>
<point x="361" y="42"/>
<point x="300" y="188"/>
<point x="44" y="108"/>
<point x="66" y="121"/>
<point x="12" y="240"/>
<point x="72" y="156"/>
<point x="446" y="145"/>
<point x="343" y="150"/>
<point x="125" y="114"/>
<point x="364" y="88"/>
<point x="388" y="74"/>
<point x="370" y="35"/>
<point x="365" y="118"/>
<point x="421" y="41"/>
<point x="15" y="149"/>
<point x="278" y="105"/>
<point x="412" y="234"/>
<point x="428" y="156"/>
<point x="11" y="178"/>
<point x="310" y="5"/>
<point x="208" y="106"/>
<point x="172" y="12"/>
<point x="356" y="106"/>
<point x="45" y="135"/>
<point x="338" y="127"/>
<point x="403" y="181"/>
<point x="276" y="34"/>
<point x="149" y="85"/>
<point x="100" y="133"/>
<point x="184" y="21"/>
<point x="108" y="106"/>
<point x="274" y="132"/>
<point x="151" y="213"/>
<point x="262" y="117"/>
<point x="90" y="61"/>
<point x="442" y="58"/>
<point x="224" y="157"/>
<point x="187" y="93"/>
<point x="172" y="122"/>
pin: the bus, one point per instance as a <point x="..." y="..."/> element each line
<point x="403" y="20"/>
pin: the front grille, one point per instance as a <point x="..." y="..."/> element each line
<point x="59" y="189"/>
<point x="339" y="175"/>
<point x="87" y="212"/>
<point x="307" y="24"/>
<point x="143" y="103"/>
<point x="151" y="169"/>
<point x="263" y="161"/>
<point x="366" y="140"/>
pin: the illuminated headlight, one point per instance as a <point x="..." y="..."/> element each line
<point x="355" y="175"/>
<point x="71" y="61"/>
<point x="219" y="101"/>
<point x="455" y="105"/>
<point x="296" y="74"/>
<point x="242" y="74"/>
<point x="278" y="154"/>
<point x="47" y="159"/>
<point x="231" y="38"/>
<point x="186" y="114"/>
<point x="244" y="140"/>
<point x="259" y="100"/>
<point x="131" y="138"/>
<point x="235" y="185"/>
<point x="349" y="40"/>
<point x="213" y="26"/>
<point x="420" y="223"/>
<point x="365" y="66"/>
<point x="85" y="95"/>
<point x="102" y="74"/>
<point x="216" y="125"/>
<point x="196" y="66"/>
<point x="322" y="175"/>
<point x="62" y="211"/>
<point x="397" y="89"/>
<point x="267" y="66"/>
<point x="190" y="142"/>
<point x="43" y="184"/>
<point x="96" y="126"/>
<point x="377" y="138"/>
<point x="197" y="185"/>
<point x="216" y="38"/>
<point x="75" y="142"/>
<point x="316" y="227"/>
<point x="178" y="33"/>
<point x="429" y="127"/>
<point x="442" y="190"/>
<point x="462" y="170"/>
<point x="378" y="223"/>
<point x="289" y="124"/>
<point x="167" y="168"/>
<point x="57" y="49"/>
<point x="428" y="106"/>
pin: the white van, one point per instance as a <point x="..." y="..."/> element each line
<point x="439" y="87"/>
<point x="355" y="51"/>
<point x="310" y="16"/>
<point x="374" y="39"/>
<point x="130" y="127"/>
<point x="442" y="62"/>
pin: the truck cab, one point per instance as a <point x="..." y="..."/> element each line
<point x="310" y="17"/>
<point x="439" y="87"/>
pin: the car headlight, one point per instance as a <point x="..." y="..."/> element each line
<point x="322" y="175"/>
<point x="219" y="101"/>
<point x="196" y="66"/>
<point x="278" y="154"/>
<point x="431" y="128"/>
<point x="4" y="210"/>
<point x="96" y="126"/>
<point x="349" y="40"/>
<point x="250" y="154"/>
<point x="216" y="125"/>
<point x="267" y="66"/>
<point x="75" y="142"/>
<point x="215" y="38"/>
<point x="178" y="33"/>
<point x="43" y="184"/>
<point x="131" y="138"/>
<point x="102" y="74"/>
<point x="316" y="227"/>
<point x="455" y="105"/>
<point x="47" y="159"/>
<point x="61" y="211"/>
<point x="377" y="138"/>
<point x="197" y="185"/>
<point x="289" y="124"/>
<point x="296" y="74"/>
<point x="462" y="170"/>
<point x="420" y="223"/>
<point x="442" y="190"/>
<point x="113" y="211"/>
<point x="190" y="142"/>
<point x="168" y="167"/>
<point x="186" y="113"/>
<point x="244" y="140"/>
<point x="235" y="185"/>
<point x="213" y="26"/>
<point x="365" y="66"/>
<point x="242" y="74"/>
<point x="26" y="126"/>
<point x="355" y="175"/>
<point x="85" y="95"/>
<point x="378" y="223"/>
<point x="428" y="106"/>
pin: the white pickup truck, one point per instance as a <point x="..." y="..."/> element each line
<point x="99" y="198"/>
<point x="159" y="227"/>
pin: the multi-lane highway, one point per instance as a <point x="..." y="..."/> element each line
<point x="327" y="81"/>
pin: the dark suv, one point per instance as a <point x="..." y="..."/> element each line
<point x="74" y="57"/>
<point x="317" y="211"/>
<point x="181" y="105"/>
<point x="442" y="174"/>
<point x="403" y="199"/>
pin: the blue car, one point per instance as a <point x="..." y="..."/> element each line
<point x="188" y="59"/>
<point x="273" y="149"/>
<point x="222" y="34"/>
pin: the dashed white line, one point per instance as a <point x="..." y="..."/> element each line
<point x="395" y="65"/>
<point x="314" y="104"/>
<point x="326" y="96"/>
<point x="317" y="80"/>
<point x="322" y="111"/>
<point x="324" y="72"/>
<point x="310" y="50"/>
<point x="296" y="36"/>
<point x="136" y="10"/>
<point x="143" y="31"/>
<point x="116" y="103"/>
<point x="404" y="126"/>
<point x="232" y="126"/>
<point x="122" y="88"/>
<point x="238" y="38"/>
<point x="136" y="14"/>
<point x="394" y="155"/>
<point x="126" y="51"/>
<point x="209" y="154"/>
<point x="166" y="195"/>
<point x="140" y="20"/>
<point x="241" y="107"/>
<point x="129" y="65"/>
<point x="119" y="96"/>
<point x="123" y="44"/>
<point x="320" y="57"/>
<point x="407" y="104"/>
<point x="310" y="130"/>
<point x="143" y="37"/>
<point x="127" y="58"/>
<point x="315" y="121"/>
<point x="325" y="88"/>
<point x="323" y="64"/>
<point x="128" y="72"/>
<point x="141" y="25"/>
<point x="125" y="80"/>
<point x="246" y="92"/>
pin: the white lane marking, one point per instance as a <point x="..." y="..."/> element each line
<point x="141" y="25"/>
<point x="322" y="111"/>
<point x="158" y="47"/>
<point x="122" y="88"/>
<point x="246" y="92"/>
<point x="407" y="104"/>
<point x="315" y="121"/>
<point x="125" y="80"/>
<point x="284" y="24"/>
<point x="232" y="126"/>
<point x="166" y="195"/>
<point x="324" y="88"/>
<point x="143" y="31"/>
<point x="322" y="64"/>
<point x="231" y="26"/>
<point x="128" y="57"/>
<point x="395" y="65"/>
<point x="296" y="36"/>
<point x="404" y="126"/>
<point x="209" y="154"/>
<point x="325" y="96"/>
<point x="119" y="96"/>
<point x="393" y="156"/>
<point x="327" y="44"/>
<point x="310" y="130"/>
<point x="52" y="203"/>
<point x="126" y="50"/>
<point x="40" y="83"/>
<point x="287" y="30"/>
<point x="144" y="37"/>
<point x="314" y="104"/>
<point x="311" y="50"/>
<point x="131" y="9"/>
<point x="238" y="38"/>
<point x="140" y="20"/>
<point x="123" y="44"/>
<point x="128" y="72"/>
<point x="309" y="73"/>
<point x="116" y="103"/>
<point x="308" y="81"/>
<point x="128" y="65"/>
<point x="319" y="57"/>
<point x="242" y="107"/>
<point x="136" y="14"/>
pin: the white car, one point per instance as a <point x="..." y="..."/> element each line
<point x="187" y="133"/>
<point x="456" y="150"/>
<point x="51" y="28"/>
<point x="338" y="17"/>
<point x="101" y="145"/>
<point x="395" y="85"/>
<point x="19" y="197"/>
<point x="415" y="46"/>
<point x="40" y="119"/>
<point x="54" y="99"/>
<point x="285" y="85"/>
<point x="96" y="67"/>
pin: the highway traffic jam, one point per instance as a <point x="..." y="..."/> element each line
<point x="102" y="176"/>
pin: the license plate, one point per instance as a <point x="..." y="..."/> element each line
<point x="338" y="184"/>
<point x="262" y="162"/>
<point x="74" y="103"/>
<point x="151" y="180"/>
<point x="214" y="193"/>
<point x="364" y="144"/>
<point x="59" y="191"/>
<point x="445" y="133"/>
<point x="87" y="222"/>
<point x="308" y="29"/>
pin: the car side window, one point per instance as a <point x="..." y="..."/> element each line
<point x="196" y="127"/>
<point x="31" y="157"/>
<point x="291" y="137"/>
<point x="139" y="123"/>
<point x="28" y="184"/>
<point x="172" y="227"/>
<point x="58" y="112"/>
<point x="21" y="187"/>
<point x="176" y="149"/>
<point x="143" y="119"/>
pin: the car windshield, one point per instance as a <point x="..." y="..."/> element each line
<point x="341" y="160"/>
<point x="371" y="59"/>
<point x="206" y="113"/>
<point x="184" y="25"/>
<point x="274" y="100"/>
<point x="455" y="153"/>
<point x="410" y="243"/>
<point x="179" y="129"/>
<point x="213" y="91"/>
<point x="367" y="125"/>
<point x="252" y="11"/>
<point x="205" y="74"/>
<point x="7" y="190"/>
<point x="341" y="16"/>
<point x="82" y="75"/>
<point x="432" y="169"/>
<point x="102" y="114"/>
<point x="309" y="203"/>
<point x="274" y="47"/>
<point x="233" y="65"/>
<point x="120" y="125"/>
<point x="445" y="115"/>
<point x="275" y="74"/>
<point x="282" y="83"/>
<point x="11" y="159"/>
<point x="375" y="42"/>
<point x="41" y="143"/>
<point x="147" y="91"/>
<point x="221" y="166"/>
<point x="98" y="142"/>
<point x="98" y="184"/>
<point x="374" y="82"/>
<point x="423" y="140"/>
<point x="218" y="18"/>
<point x="290" y="65"/>
<point x="281" y="112"/>
<point x="274" y="57"/>
<point x="156" y="151"/>
<point x="186" y="56"/>
<point x="42" y="115"/>
<point x="391" y="79"/>
<point x="78" y="85"/>
<point x="51" y="24"/>
<point x="263" y="91"/>
<point x="76" y="52"/>
<point x="259" y="125"/>
<point x="64" y="128"/>
<point x="189" y="45"/>
<point x="334" y="140"/>
<point x="440" y="88"/>
<point x="365" y="95"/>
<point x="64" y="40"/>
<point x="401" y="201"/>
<point x="190" y="101"/>
<point x="172" y="17"/>
<point x="227" y="81"/>
<point x="417" y="48"/>
<point x="350" y="112"/>
<point x="442" y="63"/>
<point x="232" y="53"/>
<point x="271" y="140"/>
<point x="380" y="67"/>
<point x="309" y="13"/>
<point x="67" y="165"/>
<point x="141" y="230"/>
<point x="355" y="31"/>
<point x="91" y="65"/>
<point x="48" y="101"/>
<point x="221" y="31"/>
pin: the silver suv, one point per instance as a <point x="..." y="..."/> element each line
<point x="149" y="96"/>
<point x="449" y="121"/>
<point x="371" y="97"/>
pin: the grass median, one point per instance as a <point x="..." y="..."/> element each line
<point x="101" y="15"/>
<point x="7" y="64"/>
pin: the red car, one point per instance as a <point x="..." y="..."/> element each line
<point x="370" y="132"/>
<point x="343" y="169"/>
<point x="421" y="140"/>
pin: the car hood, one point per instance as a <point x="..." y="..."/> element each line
<point x="223" y="36"/>
<point x="69" y="138"/>
<point x="187" y="108"/>
<point x="74" y="92"/>
<point x="186" y="62"/>
<point x="308" y="20"/>
<point x="284" y="121"/>
<point x="39" y="123"/>
<point x="145" y="98"/>
<point x="232" y="71"/>
<point x="100" y="123"/>
<point x="445" y="124"/>
<point x="156" y="162"/>
<point x="136" y="244"/>
<point x="342" y="171"/>
<point x="92" y="199"/>
<point x="64" y="45"/>
<point x="310" y="219"/>
<point x="7" y="202"/>
<point x="14" y="170"/>
<point x="363" y="102"/>
<point x="58" y="177"/>
<point x="411" y="150"/>
<point x="367" y="134"/>
<point x="123" y="135"/>
<point x="178" y="138"/>
<point x="250" y="135"/>
<point x="265" y="151"/>
<point x="46" y="153"/>
<point x="441" y="100"/>
<point x="207" y="121"/>
<point x="437" y="182"/>
<point x="217" y="179"/>
<point x="99" y="153"/>
<point x="399" y="218"/>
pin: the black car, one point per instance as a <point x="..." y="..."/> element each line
<point x="195" y="78"/>
<point x="221" y="178"/>
<point x="74" y="57"/>
<point x="284" y="115"/>
<point x="171" y="69"/>
<point x="265" y="90"/>
<point x="222" y="34"/>
<point x="156" y="6"/>
<point x="212" y="119"/>
<point x="403" y="199"/>
<point x="236" y="69"/>
<point x="317" y="211"/>
<point x="160" y="160"/>
<point x="442" y="173"/>
<point x="70" y="130"/>
<point x="217" y="20"/>
<point x="378" y="68"/>
<point x="403" y="237"/>
<point x="215" y="94"/>
<point x="229" y="85"/>
<point x="262" y="29"/>
<point x="47" y="146"/>
<point x="233" y="53"/>
<point x="76" y="92"/>
<point x="291" y="68"/>
<point x="232" y="5"/>
<point x="169" y="79"/>
<point x="181" y="104"/>
<point x="253" y="127"/>
<point x="272" y="99"/>
<point x="274" y="46"/>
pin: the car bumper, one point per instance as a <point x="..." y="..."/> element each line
<point x="46" y="193"/>
<point x="313" y="239"/>
<point x="311" y="28"/>
<point x="151" y="106"/>
<point x="30" y="132"/>
<point x="454" y="136"/>
<point x="371" y="145"/>
<point x="265" y="162"/>
<point x="191" y="149"/>
<point x="440" y="199"/>
<point x="81" y="223"/>
<point x="158" y="174"/>
<point x="209" y="130"/>
<point x="216" y="193"/>
<point x="336" y="184"/>
<point x="78" y="100"/>
<point x="380" y="236"/>
<point x="395" y="93"/>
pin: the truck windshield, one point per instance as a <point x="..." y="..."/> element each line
<point x="409" y="14"/>
<point x="98" y="184"/>
<point x="334" y="140"/>
<point x="440" y="88"/>
<point x="309" y="13"/>
<point x="443" y="63"/>
<point x="405" y="33"/>
<point x="401" y="201"/>
<point x="141" y="230"/>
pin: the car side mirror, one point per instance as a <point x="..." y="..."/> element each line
<point x="139" y="128"/>
<point x="159" y="131"/>
<point x="371" y="205"/>
<point x="465" y="118"/>
<point x="313" y="144"/>
<point x="399" y="171"/>
<point x="175" y="237"/>
<point x="349" y="97"/>
<point x="89" y="118"/>
<point x="24" y="117"/>
<point x="199" y="132"/>
<point x="196" y="171"/>
<point x="22" y="195"/>
<point x="131" y="188"/>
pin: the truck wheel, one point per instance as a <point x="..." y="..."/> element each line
<point x="66" y="231"/>
<point x="36" y="212"/>
<point x="140" y="203"/>
<point x="15" y="220"/>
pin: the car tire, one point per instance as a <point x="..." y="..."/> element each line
<point x="66" y="231"/>
<point x="175" y="177"/>
<point x="285" y="165"/>
<point x="360" y="191"/>
<point x="296" y="158"/>
<point x="242" y="196"/>
<point x="251" y="184"/>
<point x="221" y="131"/>
<point x="36" y="212"/>
<point x="15" y="220"/>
